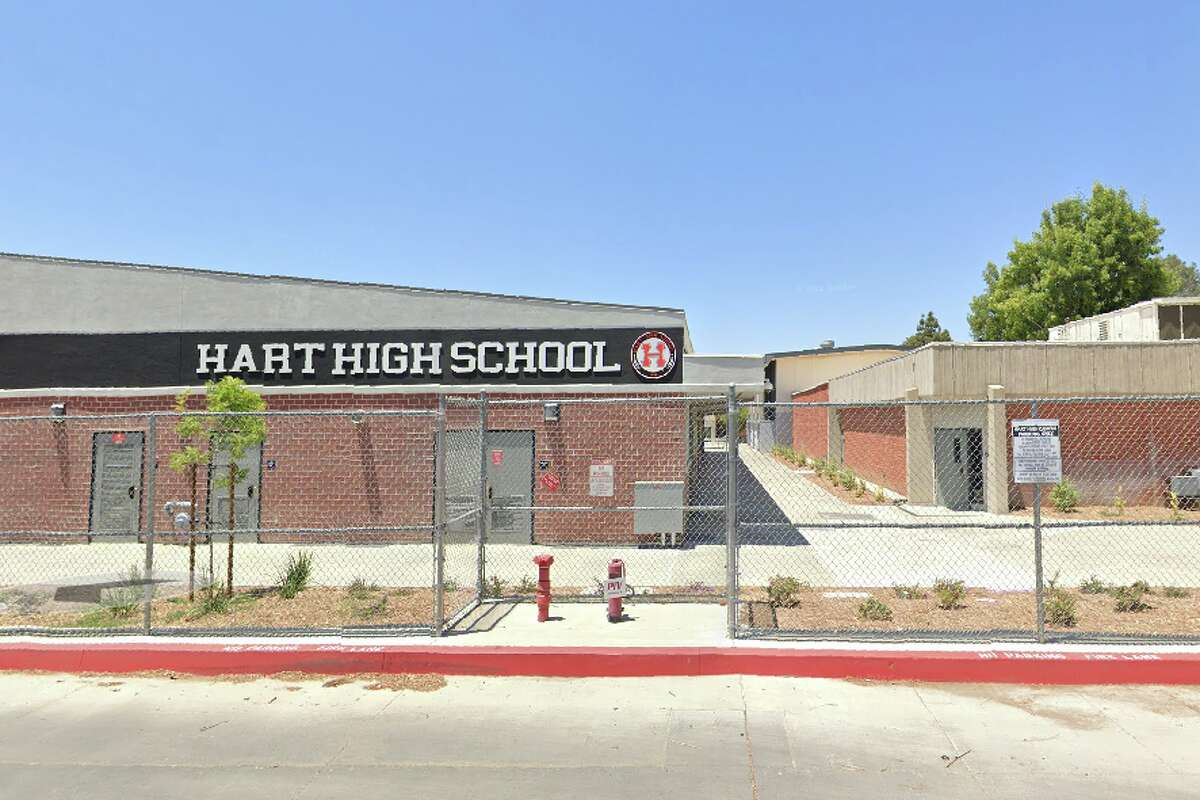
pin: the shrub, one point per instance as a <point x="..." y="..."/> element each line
<point x="949" y="593"/>
<point x="494" y="587"/>
<point x="784" y="592"/>
<point x="215" y="602"/>
<point x="1118" y="502"/>
<point x="913" y="592"/>
<point x="879" y="496"/>
<point x="1060" y="609"/>
<point x="875" y="610"/>
<point x="1176" y="514"/>
<point x="1093" y="585"/>
<point x="526" y="585"/>
<point x="359" y="588"/>
<point x="1175" y="592"/>
<point x="122" y="601"/>
<point x="1142" y="586"/>
<point x="860" y="489"/>
<point x="294" y="579"/>
<point x="1065" y="496"/>
<point x="1129" y="599"/>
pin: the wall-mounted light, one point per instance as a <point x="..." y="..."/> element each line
<point x="356" y="418"/>
<point x="58" y="411"/>
<point x="551" y="412"/>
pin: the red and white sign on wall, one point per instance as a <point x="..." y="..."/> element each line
<point x="118" y="438"/>
<point x="653" y="355"/>
<point x="551" y="481"/>
<point x="497" y="457"/>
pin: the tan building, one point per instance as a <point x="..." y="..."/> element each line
<point x="797" y="370"/>
<point x="957" y="454"/>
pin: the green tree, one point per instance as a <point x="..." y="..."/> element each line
<point x="1187" y="276"/>
<point x="1090" y="255"/>
<point x="233" y="433"/>
<point x="188" y="459"/>
<point x="928" y="330"/>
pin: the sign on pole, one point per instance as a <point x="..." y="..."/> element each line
<point x="1037" y="453"/>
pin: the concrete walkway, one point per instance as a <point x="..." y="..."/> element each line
<point x="112" y="738"/>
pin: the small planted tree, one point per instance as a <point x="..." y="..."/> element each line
<point x="233" y="435"/>
<point x="188" y="459"/>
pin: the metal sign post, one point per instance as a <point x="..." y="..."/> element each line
<point x="1037" y="459"/>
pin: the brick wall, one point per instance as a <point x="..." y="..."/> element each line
<point x="331" y="472"/>
<point x="874" y="444"/>
<point x="1129" y="449"/>
<point x="810" y="426"/>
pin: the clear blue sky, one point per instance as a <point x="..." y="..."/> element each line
<point x="786" y="172"/>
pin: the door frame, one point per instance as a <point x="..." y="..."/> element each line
<point x="532" y="476"/>
<point x="141" y="482"/>
<point x="972" y="479"/>
<point x="208" y="496"/>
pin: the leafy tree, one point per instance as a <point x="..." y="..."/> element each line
<point x="188" y="459"/>
<point x="1186" y="275"/>
<point x="234" y="435"/>
<point x="928" y="330"/>
<point x="1090" y="255"/>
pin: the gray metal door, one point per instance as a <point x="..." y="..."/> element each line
<point x="510" y="483"/>
<point x="958" y="467"/>
<point x="245" y="492"/>
<point x="116" y="482"/>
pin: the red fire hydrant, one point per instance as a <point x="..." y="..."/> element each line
<point x="543" y="591"/>
<point x="614" y="590"/>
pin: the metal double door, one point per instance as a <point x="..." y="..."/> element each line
<point x="508" y="471"/>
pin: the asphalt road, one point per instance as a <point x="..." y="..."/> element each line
<point x="119" y="737"/>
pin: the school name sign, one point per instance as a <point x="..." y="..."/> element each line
<point x="450" y="357"/>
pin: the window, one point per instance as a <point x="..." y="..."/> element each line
<point x="1169" y="323"/>
<point x="1191" y="322"/>
<point x="1103" y="325"/>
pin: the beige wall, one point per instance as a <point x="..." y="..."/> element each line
<point x="796" y="373"/>
<point x="1028" y="369"/>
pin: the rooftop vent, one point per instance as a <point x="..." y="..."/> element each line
<point x="827" y="344"/>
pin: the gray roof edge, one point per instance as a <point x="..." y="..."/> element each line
<point x="819" y="351"/>
<point x="330" y="282"/>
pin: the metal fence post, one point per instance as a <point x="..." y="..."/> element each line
<point x="484" y="510"/>
<point x="151" y="474"/>
<point x="1037" y="548"/>
<point x="439" y="518"/>
<point x="731" y="531"/>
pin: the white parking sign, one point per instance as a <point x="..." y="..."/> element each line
<point x="1037" y="454"/>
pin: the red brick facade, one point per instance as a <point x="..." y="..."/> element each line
<point x="329" y="472"/>
<point x="1126" y="449"/>
<point x="874" y="445"/>
<point x="810" y="426"/>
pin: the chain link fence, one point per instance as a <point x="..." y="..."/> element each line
<point x="902" y="520"/>
<point x="894" y="520"/>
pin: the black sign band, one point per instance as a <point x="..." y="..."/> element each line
<point x="286" y="358"/>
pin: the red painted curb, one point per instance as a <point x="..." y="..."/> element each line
<point x="983" y="666"/>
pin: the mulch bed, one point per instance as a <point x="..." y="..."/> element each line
<point x="317" y="607"/>
<point x="835" y="489"/>
<point x="980" y="610"/>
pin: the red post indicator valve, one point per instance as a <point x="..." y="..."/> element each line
<point x="543" y="562"/>
<point x="614" y="590"/>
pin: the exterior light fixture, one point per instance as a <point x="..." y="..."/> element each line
<point x="551" y="412"/>
<point x="58" y="411"/>
<point x="356" y="418"/>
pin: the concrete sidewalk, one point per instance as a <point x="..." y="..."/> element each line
<point x="112" y="738"/>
